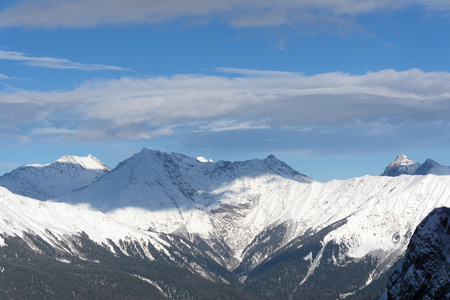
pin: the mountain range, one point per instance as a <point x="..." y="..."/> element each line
<point x="403" y="165"/>
<point x="171" y="226"/>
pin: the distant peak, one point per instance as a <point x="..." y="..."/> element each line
<point x="150" y="152"/>
<point x="144" y="151"/>
<point x="283" y="169"/>
<point x="75" y="159"/>
<point x="69" y="159"/>
<point x="430" y="161"/>
<point x="431" y="167"/>
<point x="403" y="160"/>
<point x="88" y="162"/>
<point x="401" y="165"/>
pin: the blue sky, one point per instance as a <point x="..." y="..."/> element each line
<point x="334" y="88"/>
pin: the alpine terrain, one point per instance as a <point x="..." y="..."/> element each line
<point x="164" y="225"/>
<point x="424" y="271"/>
<point x="404" y="165"/>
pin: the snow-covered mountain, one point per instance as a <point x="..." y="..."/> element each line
<point x="424" y="271"/>
<point x="401" y="165"/>
<point x="175" y="193"/>
<point x="58" y="178"/>
<point x="51" y="250"/>
<point x="276" y="230"/>
<point x="432" y="167"/>
<point x="404" y="165"/>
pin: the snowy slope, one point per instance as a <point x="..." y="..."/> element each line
<point x="64" y="226"/>
<point x="424" y="272"/>
<point x="377" y="217"/>
<point x="56" y="222"/>
<point x="51" y="180"/>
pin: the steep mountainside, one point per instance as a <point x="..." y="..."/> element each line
<point x="58" y="178"/>
<point x="45" y="243"/>
<point x="424" y="271"/>
<point x="331" y="228"/>
<point x="256" y="225"/>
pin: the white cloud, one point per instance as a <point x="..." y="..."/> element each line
<point x="229" y="125"/>
<point x="52" y="131"/>
<point x="239" y="13"/>
<point x="137" y="108"/>
<point x="257" y="73"/>
<point x="4" y="77"/>
<point x="54" y="63"/>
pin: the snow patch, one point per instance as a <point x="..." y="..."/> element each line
<point x="204" y="160"/>
<point x="314" y="263"/>
<point x="152" y="283"/>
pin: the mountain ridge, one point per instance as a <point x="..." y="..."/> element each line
<point x="227" y="221"/>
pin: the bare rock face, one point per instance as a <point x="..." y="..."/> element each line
<point x="424" y="271"/>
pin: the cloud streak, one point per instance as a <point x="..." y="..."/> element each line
<point x="237" y="13"/>
<point x="145" y="108"/>
<point x="54" y="63"/>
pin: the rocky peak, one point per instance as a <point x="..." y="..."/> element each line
<point x="401" y="165"/>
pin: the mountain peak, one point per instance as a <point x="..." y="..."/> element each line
<point x="430" y="162"/>
<point x="55" y="179"/>
<point x="401" y="165"/>
<point x="432" y="167"/>
<point x="404" y="165"/>
<point x="89" y="162"/>
<point x="284" y="169"/>
<point x="403" y="160"/>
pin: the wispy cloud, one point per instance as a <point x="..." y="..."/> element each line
<point x="229" y="125"/>
<point x="257" y="73"/>
<point x="52" y="131"/>
<point x="54" y="63"/>
<point x="238" y="13"/>
<point x="4" y="77"/>
<point x="145" y="108"/>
